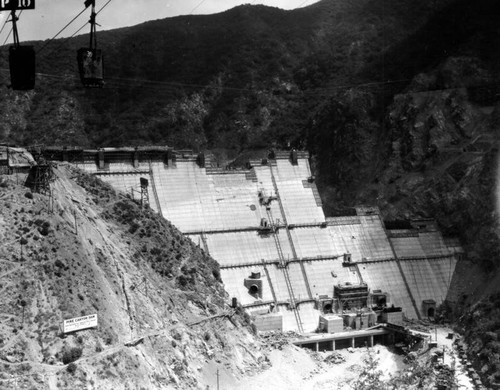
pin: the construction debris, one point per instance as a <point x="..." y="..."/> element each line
<point x="277" y="339"/>
<point x="334" y="358"/>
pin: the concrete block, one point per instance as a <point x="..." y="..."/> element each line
<point x="331" y="323"/>
<point x="395" y="317"/>
<point x="272" y="321"/>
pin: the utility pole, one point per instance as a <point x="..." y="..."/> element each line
<point x="76" y="226"/>
<point x="23" y="305"/>
<point x="51" y="201"/>
<point x="217" y="379"/>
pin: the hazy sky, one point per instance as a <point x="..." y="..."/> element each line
<point x="50" y="16"/>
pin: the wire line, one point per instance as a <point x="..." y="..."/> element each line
<point x="81" y="28"/>
<point x="171" y="86"/>
<point x="77" y="31"/>
<point x="61" y="30"/>
<point x="10" y="32"/>
<point x="4" y="23"/>
<point x="8" y="35"/>
<point x="199" y="5"/>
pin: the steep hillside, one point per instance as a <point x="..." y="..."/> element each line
<point x="429" y="149"/>
<point x="436" y="156"/>
<point x="481" y="325"/>
<point x="162" y="320"/>
<point x="236" y="80"/>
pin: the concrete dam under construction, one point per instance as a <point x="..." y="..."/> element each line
<point x="288" y="265"/>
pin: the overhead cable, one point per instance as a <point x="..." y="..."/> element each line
<point x="199" y="5"/>
<point x="77" y="31"/>
<point x="83" y="26"/>
<point x="61" y="30"/>
<point x="3" y="26"/>
<point x="104" y="6"/>
<point x="175" y="86"/>
<point x="10" y="32"/>
<point x="8" y="35"/>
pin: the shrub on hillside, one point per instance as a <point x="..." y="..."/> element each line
<point x="71" y="355"/>
<point x="71" y="368"/>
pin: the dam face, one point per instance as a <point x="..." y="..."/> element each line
<point x="280" y="258"/>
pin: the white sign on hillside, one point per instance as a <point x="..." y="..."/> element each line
<point x="79" y="323"/>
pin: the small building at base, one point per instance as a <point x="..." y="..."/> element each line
<point x="331" y="323"/>
<point x="267" y="322"/>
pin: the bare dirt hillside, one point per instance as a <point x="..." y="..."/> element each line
<point x="162" y="318"/>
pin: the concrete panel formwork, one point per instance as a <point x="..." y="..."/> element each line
<point x="309" y="316"/>
<point x="298" y="282"/>
<point x="407" y="247"/>
<point x="387" y="277"/>
<point x="429" y="279"/>
<point x="313" y="242"/>
<point x="299" y="203"/>
<point x="346" y="239"/>
<point x="234" y="278"/>
<point x="374" y="243"/>
<point x="195" y="201"/>
<point x="433" y="244"/>
<point x="246" y="247"/>
<point x="323" y="275"/>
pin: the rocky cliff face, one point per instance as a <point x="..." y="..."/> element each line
<point x="162" y="318"/>
<point x="444" y="143"/>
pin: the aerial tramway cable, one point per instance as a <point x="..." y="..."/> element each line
<point x="77" y="31"/>
<point x="198" y="6"/>
<point x="3" y="26"/>
<point x="61" y="30"/>
<point x="118" y="82"/>
<point x="10" y="31"/>
<point x="8" y="36"/>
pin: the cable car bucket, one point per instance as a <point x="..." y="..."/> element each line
<point x="90" y="59"/>
<point x="21" y="58"/>
<point x="90" y="65"/>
